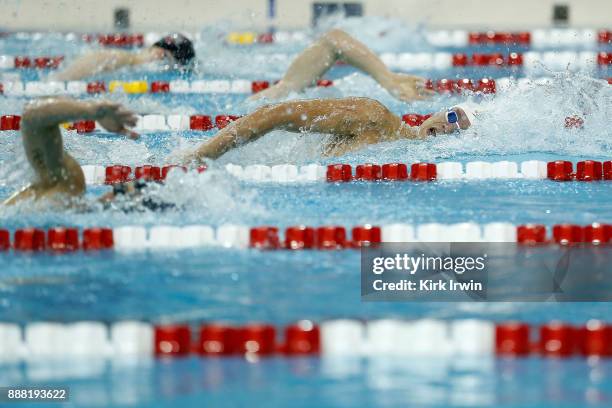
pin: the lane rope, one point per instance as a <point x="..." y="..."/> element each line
<point x="339" y="337"/>
<point x="559" y="170"/>
<point x="298" y="237"/>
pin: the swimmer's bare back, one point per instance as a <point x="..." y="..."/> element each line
<point x="59" y="175"/>
<point x="354" y="123"/>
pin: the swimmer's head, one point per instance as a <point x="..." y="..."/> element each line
<point x="444" y="123"/>
<point x="132" y="194"/>
<point x="178" y="47"/>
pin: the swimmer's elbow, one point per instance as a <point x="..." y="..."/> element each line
<point x="334" y="36"/>
<point x="32" y="112"/>
<point x="40" y="112"/>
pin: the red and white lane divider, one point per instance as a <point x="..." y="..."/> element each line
<point x="21" y="62"/>
<point x="144" y="123"/>
<point x="561" y="170"/>
<point x="341" y="337"/>
<point x="222" y="86"/>
<point x="75" y="88"/>
<point x="300" y="237"/>
<point x="119" y="40"/>
<point x="537" y="38"/>
<point x="557" y="60"/>
<point x="588" y="170"/>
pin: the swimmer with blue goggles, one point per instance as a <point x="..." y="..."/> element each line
<point x="354" y="122"/>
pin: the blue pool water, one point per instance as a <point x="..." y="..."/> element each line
<point x="220" y="284"/>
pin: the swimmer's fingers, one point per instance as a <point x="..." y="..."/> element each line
<point x="421" y="86"/>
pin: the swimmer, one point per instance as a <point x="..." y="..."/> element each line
<point x="175" y="49"/>
<point x="58" y="175"/>
<point x="336" y="45"/>
<point x="305" y="70"/>
<point x="352" y="122"/>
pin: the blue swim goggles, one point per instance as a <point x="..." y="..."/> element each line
<point x="452" y="116"/>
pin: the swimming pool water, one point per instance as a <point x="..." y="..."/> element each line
<point x="220" y="284"/>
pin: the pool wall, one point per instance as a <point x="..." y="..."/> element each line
<point x="90" y="15"/>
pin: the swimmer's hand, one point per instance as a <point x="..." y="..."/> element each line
<point x="406" y="87"/>
<point x="115" y="118"/>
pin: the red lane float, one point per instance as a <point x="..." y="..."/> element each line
<point x="481" y="59"/>
<point x="423" y="172"/>
<point x="330" y="237"/>
<point x="117" y="174"/>
<point x="462" y="85"/>
<point x="604" y="58"/>
<point x="38" y="62"/>
<point x="499" y="37"/>
<point x="5" y="240"/>
<point x="200" y="122"/>
<point x="257" y="339"/>
<point x="29" y="239"/>
<point x="172" y="340"/>
<point x="264" y="238"/>
<point x="10" y="122"/>
<point x="607" y="170"/>
<point x="604" y="36"/>
<point x="95" y="239"/>
<point x="531" y="234"/>
<point x="339" y="173"/>
<point x="148" y="173"/>
<point x="48" y="62"/>
<point x="595" y="339"/>
<point x="63" y="239"/>
<point x="84" y="126"/>
<point x="560" y="170"/>
<point x="299" y="237"/>
<point x="258" y="86"/>
<point x="217" y="340"/>
<point x="22" y="62"/>
<point x="512" y="339"/>
<point x="302" y="338"/>
<point x="589" y="170"/>
<point x="394" y="171"/>
<point x="368" y="172"/>
<point x="598" y="233"/>
<point x="558" y="339"/>
<point x="96" y="87"/>
<point x="465" y="84"/>
<point x="222" y="121"/>
<point x="265" y="38"/>
<point x="121" y="40"/>
<point x="160" y="87"/>
<point x="486" y="86"/>
<point x="366" y="235"/>
<point x="568" y="234"/>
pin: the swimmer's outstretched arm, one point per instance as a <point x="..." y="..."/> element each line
<point x="56" y="171"/>
<point x="353" y="121"/>
<point x="105" y="61"/>
<point x="336" y="45"/>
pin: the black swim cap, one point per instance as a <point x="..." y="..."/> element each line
<point x="179" y="46"/>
